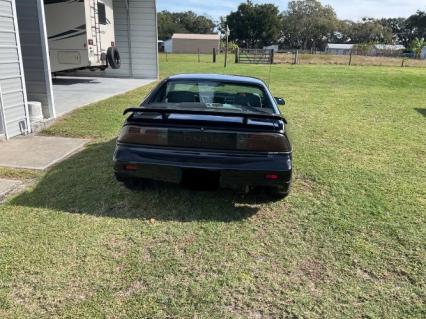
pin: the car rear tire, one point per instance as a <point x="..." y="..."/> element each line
<point x="273" y="192"/>
<point x="277" y="192"/>
<point x="131" y="183"/>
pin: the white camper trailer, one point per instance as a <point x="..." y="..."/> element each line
<point x="81" y="35"/>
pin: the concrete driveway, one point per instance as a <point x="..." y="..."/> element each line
<point x="38" y="152"/>
<point x="74" y="92"/>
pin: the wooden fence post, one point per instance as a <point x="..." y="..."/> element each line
<point x="403" y="62"/>
<point x="226" y="46"/>
<point x="214" y="55"/>
<point x="198" y="52"/>
<point x="237" y="55"/>
<point x="350" y="58"/>
<point x="296" y="57"/>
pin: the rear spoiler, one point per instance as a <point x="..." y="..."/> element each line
<point x="166" y="111"/>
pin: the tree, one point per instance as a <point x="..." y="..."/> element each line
<point x="195" y="23"/>
<point x="253" y="25"/>
<point x="167" y="25"/>
<point x="417" y="46"/>
<point x="183" y="22"/>
<point x="368" y="31"/>
<point x="401" y="33"/>
<point x="417" y="25"/>
<point x="308" y="24"/>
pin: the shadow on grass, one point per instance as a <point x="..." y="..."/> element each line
<point x="421" y="111"/>
<point x="85" y="184"/>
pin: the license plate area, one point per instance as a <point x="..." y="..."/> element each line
<point x="202" y="139"/>
<point x="200" y="179"/>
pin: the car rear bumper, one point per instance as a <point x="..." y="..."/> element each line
<point x="234" y="169"/>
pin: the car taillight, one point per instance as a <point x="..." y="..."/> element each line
<point x="272" y="177"/>
<point x="131" y="167"/>
<point x="220" y="140"/>
<point x="263" y="142"/>
<point x="143" y="135"/>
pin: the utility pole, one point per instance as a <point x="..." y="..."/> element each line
<point x="227" y="32"/>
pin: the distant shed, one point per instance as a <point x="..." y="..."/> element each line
<point x="339" y="48"/>
<point x="274" y="47"/>
<point x="191" y="43"/>
<point x="387" y="50"/>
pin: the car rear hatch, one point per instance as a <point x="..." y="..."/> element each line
<point x="205" y="130"/>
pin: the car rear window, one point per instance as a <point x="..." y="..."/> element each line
<point x="214" y="93"/>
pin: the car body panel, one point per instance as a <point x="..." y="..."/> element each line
<point x="236" y="169"/>
<point x="203" y="139"/>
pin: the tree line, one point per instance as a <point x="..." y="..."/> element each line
<point x="183" y="22"/>
<point x="306" y="24"/>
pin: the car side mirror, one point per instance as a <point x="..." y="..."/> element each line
<point x="280" y="100"/>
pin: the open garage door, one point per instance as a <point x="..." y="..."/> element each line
<point x="135" y="28"/>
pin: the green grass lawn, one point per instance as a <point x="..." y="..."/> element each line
<point x="348" y="242"/>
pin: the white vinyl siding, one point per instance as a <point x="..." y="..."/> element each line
<point x="13" y="108"/>
<point x="143" y="33"/>
<point x="35" y="53"/>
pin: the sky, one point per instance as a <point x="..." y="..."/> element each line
<point x="346" y="9"/>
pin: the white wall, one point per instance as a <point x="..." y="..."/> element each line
<point x="13" y="103"/>
<point x="35" y="53"/>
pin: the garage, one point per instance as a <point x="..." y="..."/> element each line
<point x="30" y="57"/>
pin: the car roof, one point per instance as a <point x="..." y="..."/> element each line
<point x="217" y="77"/>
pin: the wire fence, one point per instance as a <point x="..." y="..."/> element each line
<point x="303" y="58"/>
<point x="357" y="59"/>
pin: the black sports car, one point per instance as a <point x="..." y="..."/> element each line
<point x="220" y="128"/>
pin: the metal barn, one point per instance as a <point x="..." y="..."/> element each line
<point x="25" y="73"/>
<point x="339" y="49"/>
<point x="193" y="43"/>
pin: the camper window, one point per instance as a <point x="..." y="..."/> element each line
<point x="102" y="13"/>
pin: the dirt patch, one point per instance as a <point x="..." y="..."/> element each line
<point x="34" y="300"/>
<point x="240" y="313"/>
<point x="133" y="289"/>
<point x="303" y="184"/>
<point x="309" y="273"/>
<point x="365" y="275"/>
<point x="311" y="269"/>
<point x="118" y="247"/>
